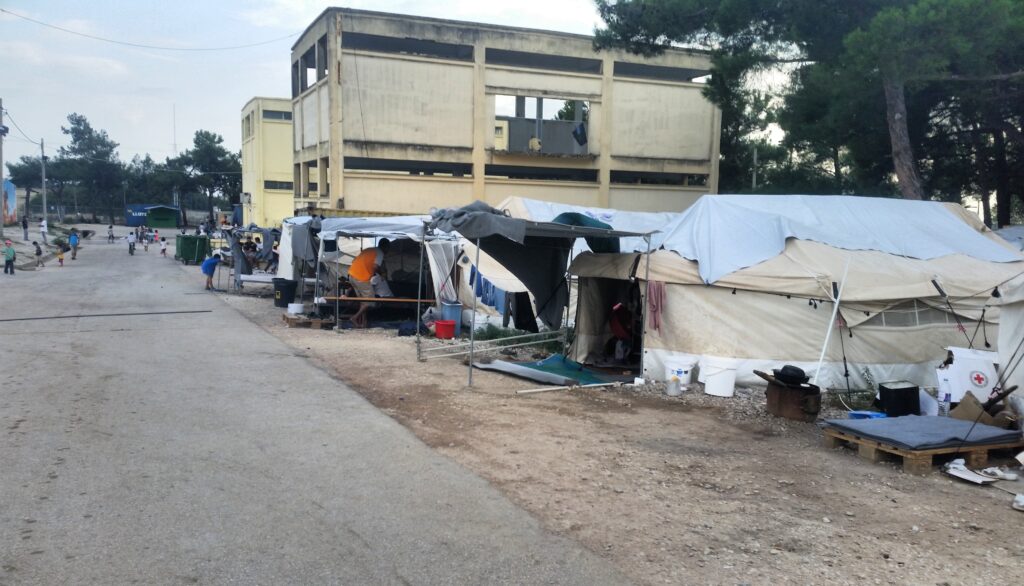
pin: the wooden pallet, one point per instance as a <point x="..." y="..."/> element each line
<point x="914" y="461"/>
<point x="298" y="321"/>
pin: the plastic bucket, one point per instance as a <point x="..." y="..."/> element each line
<point x="444" y="329"/>
<point x="719" y="376"/>
<point x="677" y="374"/>
<point x="453" y="312"/>
<point x="296" y="308"/>
<point x="284" y="292"/>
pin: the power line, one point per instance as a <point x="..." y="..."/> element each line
<point x="8" y="112"/>
<point x="141" y="45"/>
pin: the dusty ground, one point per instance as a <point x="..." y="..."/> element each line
<point x="690" y="490"/>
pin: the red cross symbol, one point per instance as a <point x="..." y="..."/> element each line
<point x="978" y="378"/>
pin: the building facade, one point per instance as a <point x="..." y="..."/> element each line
<point x="267" y="187"/>
<point x="401" y="114"/>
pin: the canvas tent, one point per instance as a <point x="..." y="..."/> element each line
<point x="749" y="278"/>
<point x="1011" y="338"/>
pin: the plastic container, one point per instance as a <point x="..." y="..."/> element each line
<point x="899" y="398"/>
<point x="677" y="374"/>
<point x="296" y="308"/>
<point x="444" y="329"/>
<point x="719" y="376"/>
<point x="453" y="312"/>
<point x="284" y="292"/>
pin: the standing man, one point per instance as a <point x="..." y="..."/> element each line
<point x="24" y="226"/>
<point x="209" y="267"/>
<point x="131" y="243"/>
<point x="73" y="241"/>
<point x="43" y="230"/>
<point x="9" y="257"/>
<point x="370" y="262"/>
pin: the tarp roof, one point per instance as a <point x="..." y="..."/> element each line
<point x="727" y="233"/>
<point x="394" y="227"/>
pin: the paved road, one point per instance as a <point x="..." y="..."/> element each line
<point x="197" y="448"/>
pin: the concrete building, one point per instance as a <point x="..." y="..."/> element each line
<point x="399" y="113"/>
<point x="267" y="185"/>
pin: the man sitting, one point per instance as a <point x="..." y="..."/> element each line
<point x="369" y="263"/>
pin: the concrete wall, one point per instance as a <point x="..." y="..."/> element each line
<point x="664" y="121"/>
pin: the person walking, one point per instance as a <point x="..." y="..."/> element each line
<point x="131" y="243"/>
<point x="24" y="226"/>
<point x="39" y="254"/>
<point x="73" y="241"/>
<point x="110" y="234"/>
<point x="9" y="256"/>
<point x="43" y="230"/>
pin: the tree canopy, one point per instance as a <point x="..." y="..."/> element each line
<point x="87" y="175"/>
<point x="919" y="96"/>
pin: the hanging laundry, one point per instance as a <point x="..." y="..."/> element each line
<point x="656" y="303"/>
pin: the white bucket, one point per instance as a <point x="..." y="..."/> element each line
<point x="677" y="374"/>
<point x="719" y="376"/>
<point x="296" y="308"/>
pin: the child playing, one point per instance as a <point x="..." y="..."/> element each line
<point x="60" y="256"/>
<point x="163" y="247"/>
<point x="39" y="254"/>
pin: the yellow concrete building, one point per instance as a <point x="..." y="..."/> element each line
<point x="267" y="188"/>
<point x="400" y="114"/>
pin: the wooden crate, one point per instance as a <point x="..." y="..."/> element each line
<point x="299" y="321"/>
<point x="914" y="461"/>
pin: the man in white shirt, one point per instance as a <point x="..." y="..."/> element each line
<point x="43" y="230"/>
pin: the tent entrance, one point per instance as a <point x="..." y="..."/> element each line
<point x="609" y="324"/>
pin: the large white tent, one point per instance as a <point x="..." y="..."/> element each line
<point x="750" y="278"/>
<point x="1011" y="338"/>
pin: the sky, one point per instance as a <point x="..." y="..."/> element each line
<point x="149" y="99"/>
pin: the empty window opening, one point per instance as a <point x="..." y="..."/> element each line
<point x="406" y="46"/>
<point x="542" y="61"/>
<point x="541" y="126"/>
<point x="659" y="72"/>
<point x="405" y="167"/>
<point x="247" y="126"/>
<point x="321" y="58"/>
<point x="296" y="80"/>
<point x="276" y="115"/>
<point x="307" y="68"/>
<point x="540" y="173"/>
<point x="279" y="185"/>
<point x="653" y="178"/>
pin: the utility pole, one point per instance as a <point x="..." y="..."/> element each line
<point x="3" y="193"/>
<point x="42" y="164"/>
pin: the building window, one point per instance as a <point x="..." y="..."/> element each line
<point x="657" y="72"/>
<point x="540" y="173"/>
<point x="406" y="46"/>
<point x="276" y="115"/>
<point x="542" y="61"/>
<point x="656" y="178"/>
<point x="541" y="126"/>
<point x="280" y="185"/>
<point x="247" y="126"/>
<point x="405" y="167"/>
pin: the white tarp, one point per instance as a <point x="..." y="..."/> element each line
<point x="726" y="233"/>
<point x="1011" y="335"/>
<point x="392" y="227"/>
<point x="1014" y="235"/>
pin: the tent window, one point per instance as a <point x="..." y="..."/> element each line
<point x="912" y="314"/>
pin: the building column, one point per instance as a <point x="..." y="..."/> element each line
<point x="716" y="142"/>
<point x="322" y="184"/>
<point x="480" y="122"/>
<point x="604" y="157"/>
<point x="336" y="162"/>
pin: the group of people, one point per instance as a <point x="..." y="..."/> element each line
<point x="143" y="235"/>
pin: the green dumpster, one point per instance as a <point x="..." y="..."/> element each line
<point x="191" y="249"/>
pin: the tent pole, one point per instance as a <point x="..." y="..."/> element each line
<point x="472" y="327"/>
<point x="831" y="323"/>
<point x="419" y="292"/>
<point x="643" y="307"/>
<point x="316" y="285"/>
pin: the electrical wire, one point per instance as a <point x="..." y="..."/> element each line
<point x="142" y="45"/>
<point x="15" y="123"/>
